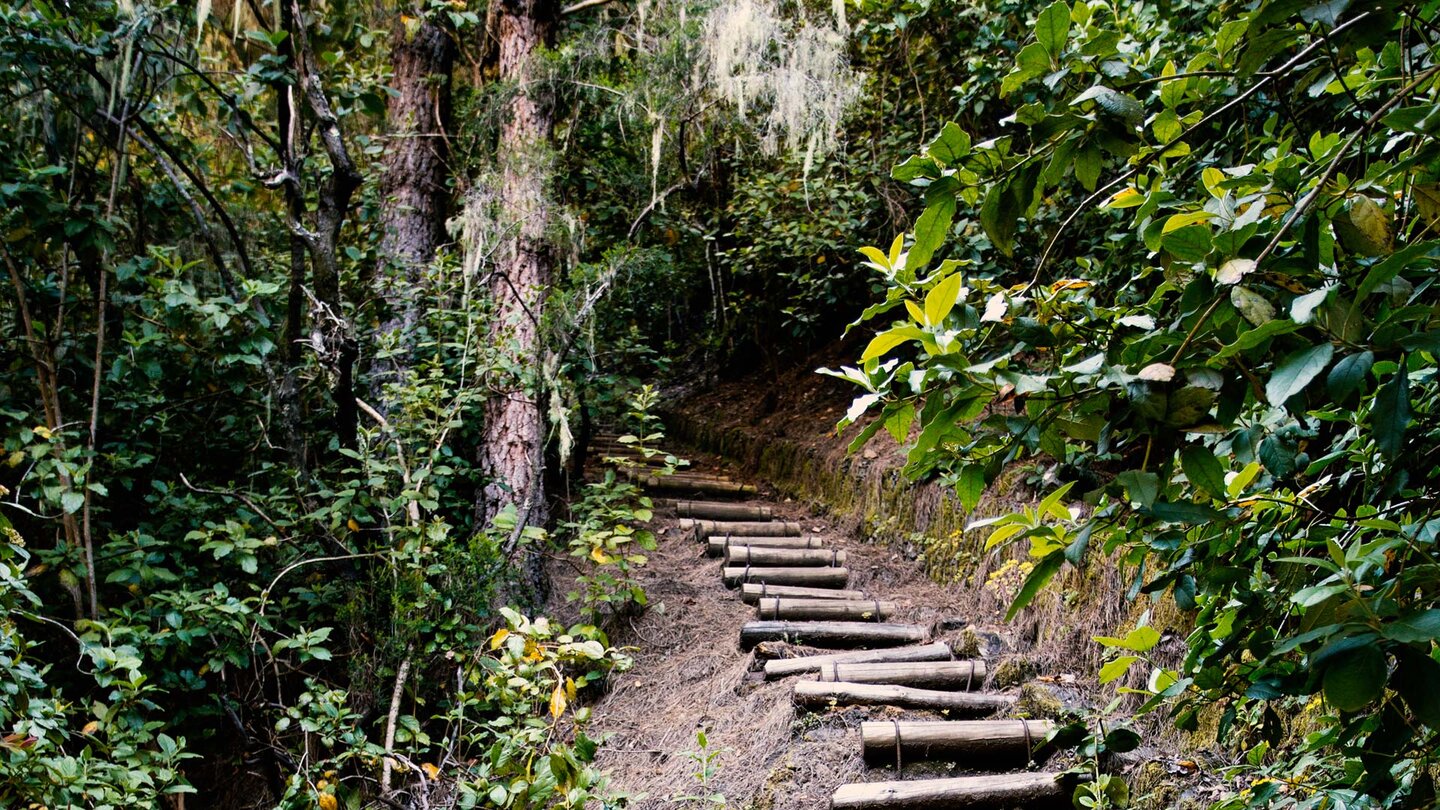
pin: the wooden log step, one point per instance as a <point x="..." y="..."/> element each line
<point x="967" y="674"/>
<point x="716" y="545"/>
<point x="832" y="634"/>
<point x="856" y="610"/>
<point x="752" y="592"/>
<point x="670" y="483"/>
<point x="992" y="792"/>
<point x="795" y="557"/>
<point x="780" y="667"/>
<point x="740" y="528"/>
<point x="623" y="460"/>
<point x="810" y="577"/>
<point x="819" y="694"/>
<point x="1013" y="742"/>
<point x="724" y="511"/>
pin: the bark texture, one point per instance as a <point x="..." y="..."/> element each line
<point x="512" y="456"/>
<point x="415" y="171"/>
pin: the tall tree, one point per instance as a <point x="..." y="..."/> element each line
<point x="414" y="170"/>
<point x="512" y="456"/>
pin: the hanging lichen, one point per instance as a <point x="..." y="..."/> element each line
<point x="794" y="73"/>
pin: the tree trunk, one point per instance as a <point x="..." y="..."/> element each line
<point x="512" y="456"/>
<point x="412" y="180"/>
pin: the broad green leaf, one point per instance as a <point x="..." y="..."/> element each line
<point x="1390" y="413"/>
<point x="1141" y="487"/>
<point x="941" y="299"/>
<point x="899" y="421"/>
<point x="1252" y="306"/>
<point x="952" y="144"/>
<point x="889" y="339"/>
<point x="970" y="486"/>
<point x="1302" y="309"/>
<point x="1296" y="371"/>
<point x="916" y="313"/>
<point x="1051" y="505"/>
<point x="1116" y="669"/>
<point x="1257" y="336"/>
<point x="1349" y="374"/>
<point x="1355" y="678"/>
<point x="1423" y="626"/>
<point x="1052" y="29"/>
<point x="915" y="167"/>
<point x="999" y="216"/>
<point x="1141" y="639"/>
<point x="1204" y="470"/>
<point x="931" y="230"/>
<point x="1416" y="675"/>
<point x="1044" y="571"/>
<point x="1089" y="162"/>
<point x="1178" y="221"/>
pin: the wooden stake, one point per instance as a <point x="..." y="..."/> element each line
<point x="995" y="792"/>
<point x="780" y="667"/>
<point x="832" y="634"/>
<point x="819" y="694"/>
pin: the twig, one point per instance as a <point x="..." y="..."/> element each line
<point x="395" y="695"/>
<point x="413" y="507"/>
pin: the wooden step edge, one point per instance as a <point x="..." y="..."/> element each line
<point x="991" y="792"/>
<point x="823" y="694"/>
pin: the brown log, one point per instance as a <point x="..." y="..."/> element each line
<point x="850" y="610"/>
<point x="752" y="593"/>
<point x="794" y="557"/>
<point x="1012" y="742"/>
<point x="724" y="511"/>
<point x="832" y="634"/>
<point x="819" y="694"/>
<point x="706" y="487"/>
<point x="967" y="674"/>
<point x="741" y="528"/>
<point x="717" y="545"/>
<point x="780" y="667"/>
<point x="993" y="792"/>
<point x="811" y="577"/>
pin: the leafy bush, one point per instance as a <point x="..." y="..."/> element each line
<point x="1195" y="287"/>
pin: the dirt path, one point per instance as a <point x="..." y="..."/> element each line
<point x="690" y="675"/>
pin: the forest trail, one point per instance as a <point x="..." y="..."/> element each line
<point x="933" y="729"/>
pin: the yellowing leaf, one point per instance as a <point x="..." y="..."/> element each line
<point x="1126" y="198"/>
<point x="327" y="801"/>
<point x="1179" y="221"/>
<point x="1070" y="284"/>
<point x="598" y="555"/>
<point x="877" y="256"/>
<point x="941" y="299"/>
<point x="352" y="525"/>
<point x="431" y="771"/>
<point x="570" y="688"/>
<point x="91" y="727"/>
<point x="42" y="431"/>
<point x="895" y="250"/>
<point x="889" y="339"/>
<point x="557" y="702"/>
<point x="1212" y="178"/>
<point x="499" y="638"/>
<point x="532" y="651"/>
<point x="917" y="313"/>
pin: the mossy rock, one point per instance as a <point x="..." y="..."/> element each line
<point x="1038" y="702"/>
<point x="1014" y="670"/>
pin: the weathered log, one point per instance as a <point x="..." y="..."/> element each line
<point x="740" y="528"/>
<point x="705" y="487"/>
<point x="717" y="545"/>
<point x="752" y="593"/>
<point x="795" y="557"/>
<point x="832" y="634"/>
<point x="812" y="577"/>
<point x="818" y="694"/>
<point x="854" y="610"/>
<point x="724" y="511"/>
<point x="780" y="667"/>
<point x="994" y="792"/>
<point x="1015" y="742"/>
<point x="968" y="674"/>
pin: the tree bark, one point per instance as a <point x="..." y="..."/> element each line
<point x="512" y="456"/>
<point x="413" y="180"/>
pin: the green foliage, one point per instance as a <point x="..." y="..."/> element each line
<point x="1195" y="287"/>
